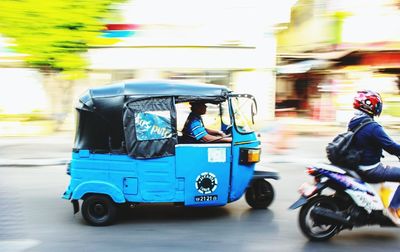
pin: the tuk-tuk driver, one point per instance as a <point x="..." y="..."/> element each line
<point x="194" y="128"/>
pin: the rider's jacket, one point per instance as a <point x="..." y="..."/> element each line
<point x="372" y="139"/>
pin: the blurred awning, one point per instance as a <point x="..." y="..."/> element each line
<point x="304" y="66"/>
<point x="331" y="55"/>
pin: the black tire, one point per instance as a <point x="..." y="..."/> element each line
<point x="310" y="228"/>
<point x="260" y="194"/>
<point x="99" y="210"/>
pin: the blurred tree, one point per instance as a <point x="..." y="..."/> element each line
<point x="54" y="34"/>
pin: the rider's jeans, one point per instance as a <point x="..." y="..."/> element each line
<point x="384" y="173"/>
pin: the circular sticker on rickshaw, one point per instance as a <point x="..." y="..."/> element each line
<point x="206" y="183"/>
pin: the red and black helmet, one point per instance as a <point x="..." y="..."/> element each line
<point x="369" y="102"/>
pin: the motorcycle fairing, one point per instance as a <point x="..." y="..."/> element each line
<point x="362" y="193"/>
<point x="300" y="202"/>
<point x="368" y="202"/>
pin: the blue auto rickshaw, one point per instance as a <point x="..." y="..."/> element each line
<point x="128" y="150"/>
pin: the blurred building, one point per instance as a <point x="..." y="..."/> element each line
<point x="332" y="48"/>
<point x="229" y="43"/>
<point x="223" y="42"/>
<point x="238" y="66"/>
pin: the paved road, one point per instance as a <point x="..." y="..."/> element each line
<point x="35" y="218"/>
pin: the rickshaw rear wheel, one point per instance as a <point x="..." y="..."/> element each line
<point x="99" y="210"/>
<point x="260" y="194"/>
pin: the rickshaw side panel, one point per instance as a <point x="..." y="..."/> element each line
<point x="205" y="170"/>
<point x="150" y="180"/>
<point x="156" y="180"/>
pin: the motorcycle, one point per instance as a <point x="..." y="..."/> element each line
<point x="337" y="200"/>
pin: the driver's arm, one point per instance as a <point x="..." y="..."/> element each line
<point x="215" y="132"/>
<point x="387" y="143"/>
<point x="216" y="139"/>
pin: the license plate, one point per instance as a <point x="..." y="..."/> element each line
<point x="206" y="198"/>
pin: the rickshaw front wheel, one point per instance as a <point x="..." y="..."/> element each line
<point x="260" y="194"/>
<point x="99" y="210"/>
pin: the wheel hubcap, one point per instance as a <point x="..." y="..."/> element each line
<point x="316" y="228"/>
<point x="99" y="210"/>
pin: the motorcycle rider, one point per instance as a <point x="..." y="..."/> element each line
<point x="372" y="139"/>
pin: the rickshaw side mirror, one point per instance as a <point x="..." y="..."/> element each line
<point x="253" y="110"/>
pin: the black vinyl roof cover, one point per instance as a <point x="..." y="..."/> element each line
<point x="158" y="88"/>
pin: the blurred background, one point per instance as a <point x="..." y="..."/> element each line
<point x="303" y="60"/>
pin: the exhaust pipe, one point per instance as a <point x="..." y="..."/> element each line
<point x="327" y="216"/>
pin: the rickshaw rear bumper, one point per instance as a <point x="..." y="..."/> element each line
<point x="75" y="204"/>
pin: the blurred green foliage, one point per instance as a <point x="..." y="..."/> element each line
<point x="54" y="34"/>
<point x="391" y="108"/>
<point x="34" y="116"/>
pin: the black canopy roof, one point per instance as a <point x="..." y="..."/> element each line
<point x="183" y="91"/>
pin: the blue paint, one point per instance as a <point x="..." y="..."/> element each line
<point x="193" y="167"/>
<point x="241" y="174"/>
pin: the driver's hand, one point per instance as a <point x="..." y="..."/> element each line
<point x="222" y="134"/>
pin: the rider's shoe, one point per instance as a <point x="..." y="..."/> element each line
<point x="393" y="216"/>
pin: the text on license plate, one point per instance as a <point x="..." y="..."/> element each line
<point x="206" y="198"/>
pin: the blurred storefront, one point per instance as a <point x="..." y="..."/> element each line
<point x="227" y="43"/>
<point x="224" y="42"/>
<point x="238" y="67"/>
<point x="331" y="49"/>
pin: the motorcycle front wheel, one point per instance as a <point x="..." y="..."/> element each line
<point x="310" y="227"/>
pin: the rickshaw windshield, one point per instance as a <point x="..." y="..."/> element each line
<point x="243" y="112"/>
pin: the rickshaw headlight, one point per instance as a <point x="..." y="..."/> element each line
<point x="253" y="156"/>
<point x="249" y="155"/>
